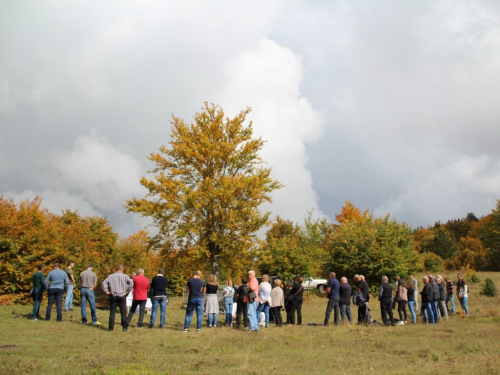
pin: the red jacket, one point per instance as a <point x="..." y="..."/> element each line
<point x="141" y="288"/>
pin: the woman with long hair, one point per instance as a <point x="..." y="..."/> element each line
<point x="402" y="300"/>
<point x="277" y="302"/>
<point x="463" y="293"/>
<point x="296" y="299"/>
<point x="411" y="302"/>
<point x="264" y="298"/>
<point x="228" y="294"/>
<point x="212" y="307"/>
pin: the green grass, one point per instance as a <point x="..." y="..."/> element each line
<point x="468" y="345"/>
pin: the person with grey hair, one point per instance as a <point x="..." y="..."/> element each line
<point x="442" y="297"/>
<point x="141" y="289"/>
<point x="427" y="301"/>
<point x="385" y="298"/>
<point x="345" y="300"/>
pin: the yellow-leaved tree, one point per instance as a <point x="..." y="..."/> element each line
<point x="207" y="188"/>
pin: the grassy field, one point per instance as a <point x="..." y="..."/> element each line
<point x="469" y="345"/>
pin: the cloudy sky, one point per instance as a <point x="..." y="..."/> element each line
<point x="391" y="105"/>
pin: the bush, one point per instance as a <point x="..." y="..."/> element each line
<point x="489" y="288"/>
<point x="474" y="279"/>
<point x="432" y="262"/>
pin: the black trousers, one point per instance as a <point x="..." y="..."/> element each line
<point x="362" y="312"/>
<point x="57" y="296"/>
<point x="386" y="309"/>
<point x="142" y="309"/>
<point x="296" y="306"/>
<point x="277" y="316"/>
<point x="402" y="310"/>
<point x="241" y="308"/>
<point x="115" y="302"/>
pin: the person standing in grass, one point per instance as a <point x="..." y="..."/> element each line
<point x="159" y="289"/>
<point x="212" y="306"/>
<point x="449" y="296"/>
<point x="402" y="300"/>
<point x="362" y="302"/>
<point x="435" y="297"/>
<point x="345" y="292"/>
<point x="56" y="283"/>
<point x="427" y="294"/>
<point x="253" y="301"/>
<point x="385" y="298"/>
<point x="288" y="303"/>
<point x="463" y="293"/>
<point x="228" y="294"/>
<point x="277" y="302"/>
<point x="411" y="302"/>
<point x="88" y="282"/>
<point x="414" y="286"/>
<point x="333" y="295"/>
<point x="296" y="294"/>
<point x="195" y="290"/>
<point x="141" y="289"/>
<point x="442" y="297"/>
<point x="117" y="286"/>
<point x="264" y="298"/>
<point x="241" y="304"/>
<point x="37" y="292"/>
<point x="68" y="303"/>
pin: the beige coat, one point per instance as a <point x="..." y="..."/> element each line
<point x="277" y="298"/>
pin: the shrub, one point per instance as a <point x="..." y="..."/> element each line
<point x="432" y="262"/>
<point x="474" y="278"/>
<point x="489" y="288"/>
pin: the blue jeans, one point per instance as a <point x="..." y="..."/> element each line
<point x="252" y="316"/>
<point x="411" y="305"/>
<point x="263" y="307"/>
<point x="463" y="303"/>
<point x="228" y="308"/>
<point x="162" y="301"/>
<point x="212" y="320"/>
<point x="450" y="298"/>
<point x="194" y="303"/>
<point x="68" y="303"/>
<point x="88" y="295"/>
<point x="435" y="311"/>
<point x="38" y="300"/>
<point x="427" y="311"/>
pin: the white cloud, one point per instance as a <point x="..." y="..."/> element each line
<point x="268" y="78"/>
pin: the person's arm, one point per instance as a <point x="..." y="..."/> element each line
<point x="46" y="282"/>
<point x="66" y="281"/>
<point x="73" y="280"/>
<point x="105" y="285"/>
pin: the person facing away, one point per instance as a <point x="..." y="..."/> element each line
<point x="253" y="286"/>
<point x="264" y="298"/>
<point x="212" y="301"/>
<point x="68" y="303"/>
<point x="414" y="285"/>
<point x="333" y="295"/>
<point x="364" y="291"/>
<point x="141" y="289"/>
<point x="117" y="286"/>
<point x="228" y="295"/>
<point x="277" y="302"/>
<point x="196" y="290"/>
<point x="402" y="294"/>
<point x="241" y="304"/>
<point x="88" y="282"/>
<point x="159" y="292"/>
<point x="449" y="296"/>
<point x="296" y="294"/>
<point x="345" y="300"/>
<point x="427" y="294"/>
<point x="385" y="297"/>
<point x="56" y="283"/>
<point x="37" y="294"/>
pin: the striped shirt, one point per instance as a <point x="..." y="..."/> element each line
<point x="117" y="284"/>
<point x="449" y="287"/>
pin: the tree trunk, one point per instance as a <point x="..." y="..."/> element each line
<point x="214" y="251"/>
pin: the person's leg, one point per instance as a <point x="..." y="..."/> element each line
<point x="112" y="311"/>
<point x="400" y="310"/>
<point x="155" y="303"/>
<point x="411" y="305"/>
<point x="239" y="312"/>
<point x="293" y="308"/>
<point x="215" y="320"/>
<point x="452" y="303"/>
<point x="383" y="312"/>
<point x="336" y="312"/>
<point x="390" y="313"/>
<point x="329" y="308"/>
<point x="142" y="310"/>
<point x="245" y="314"/>
<point x="210" y="319"/>
<point x="37" y="302"/>
<point x="299" y="313"/>
<point x="93" y="311"/>
<point x="163" y="310"/>
<point x="132" y="311"/>
<point x="343" y="312"/>
<point x="52" y="298"/>
<point x="431" y="313"/>
<point x="349" y="313"/>
<point x="251" y="313"/>
<point x="199" y="312"/>
<point x="266" y="313"/>
<point x="59" y="299"/>
<point x="189" y="314"/>
<point x="83" y="304"/>
<point x="425" y="313"/>
<point x="465" y="300"/>
<point x="405" y="314"/>
<point x="435" y="311"/>
<point x="122" y="304"/>
<point x="69" y="300"/>
<point x="442" y="309"/>
<point x="415" y="297"/>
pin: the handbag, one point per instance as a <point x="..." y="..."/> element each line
<point x="251" y="296"/>
<point x="290" y="297"/>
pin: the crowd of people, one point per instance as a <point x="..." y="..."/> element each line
<point x="249" y="301"/>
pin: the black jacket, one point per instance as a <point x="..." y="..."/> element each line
<point x="435" y="290"/>
<point x="427" y="293"/>
<point x="442" y="292"/>
<point x="345" y="294"/>
<point x="385" y="291"/>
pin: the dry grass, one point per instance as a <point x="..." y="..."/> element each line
<point x="458" y="346"/>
